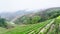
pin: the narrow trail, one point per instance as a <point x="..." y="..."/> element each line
<point x="42" y="30"/>
<point x="31" y="32"/>
<point x="51" y="28"/>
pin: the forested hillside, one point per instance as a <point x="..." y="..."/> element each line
<point x="41" y="22"/>
<point x="39" y="16"/>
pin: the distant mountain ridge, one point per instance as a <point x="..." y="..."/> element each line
<point x="9" y="16"/>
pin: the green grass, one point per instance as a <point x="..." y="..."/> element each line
<point x="36" y="31"/>
<point x="56" y="29"/>
<point x="26" y="29"/>
<point x="2" y="30"/>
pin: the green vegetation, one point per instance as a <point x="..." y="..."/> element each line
<point x="57" y="23"/>
<point x="45" y="22"/>
<point x="28" y="28"/>
<point x="35" y="19"/>
<point x="2" y="30"/>
<point x="28" y="20"/>
<point x="2" y="22"/>
<point x="38" y="17"/>
<point x="50" y="14"/>
<point x="55" y="29"/>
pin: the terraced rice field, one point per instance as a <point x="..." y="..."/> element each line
<point x="47" y="27"/>
<point x="28" y="29"/>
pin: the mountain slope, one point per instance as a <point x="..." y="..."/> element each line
<point x="43" y="14"/>
<point x="10" y="16"/>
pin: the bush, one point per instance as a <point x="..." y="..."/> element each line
<point x="2" y="22"/>
<point x="35" y="19"/>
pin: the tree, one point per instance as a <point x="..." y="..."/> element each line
<point x="35" y="19"/>
<point x="57" y="22"/>
<point x="2" y="22"/>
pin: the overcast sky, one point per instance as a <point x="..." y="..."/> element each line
<point x="14" y="5"/>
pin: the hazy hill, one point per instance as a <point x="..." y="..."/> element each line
<point x="11" y="15"/>
<point x="44" y="14"/>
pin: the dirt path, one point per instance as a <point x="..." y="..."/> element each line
<point x="31" y="32"/>
<point x="51" y="28"/>
<point x="42" y="30"/>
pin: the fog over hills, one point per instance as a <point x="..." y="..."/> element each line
<point x="11" y="15"/>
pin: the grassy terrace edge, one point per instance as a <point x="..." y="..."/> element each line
<point x="28" y="28"/>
